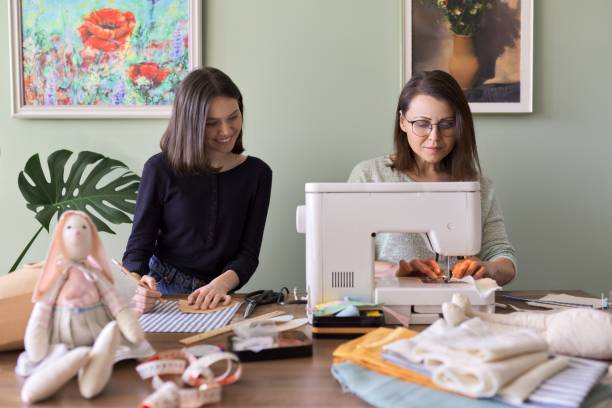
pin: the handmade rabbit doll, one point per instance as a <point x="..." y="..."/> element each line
<point x="78" y="320"/>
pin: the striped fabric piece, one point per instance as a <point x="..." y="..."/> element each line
<point x="569" y="387"/>
<point x="167" y="318"/>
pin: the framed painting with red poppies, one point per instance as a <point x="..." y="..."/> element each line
<point x="486" y="45"/>
<point x="101" y="59"/>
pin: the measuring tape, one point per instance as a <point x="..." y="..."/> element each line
<point x="201" y="385"/>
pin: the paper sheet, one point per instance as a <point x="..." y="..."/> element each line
<point x="185" y="307"/>
<point x="565" y="298"/>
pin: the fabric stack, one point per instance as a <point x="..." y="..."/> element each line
<point x="476" y="359"/>
<point x="479" y="359"/>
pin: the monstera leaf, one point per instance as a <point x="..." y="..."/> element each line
<point x="109" y="189"/>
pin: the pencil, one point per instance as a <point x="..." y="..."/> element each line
<point x="135" y="279"/>
<point x="199" y="337"/>
<point x="125" y="271"/>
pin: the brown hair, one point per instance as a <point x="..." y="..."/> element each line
<point x="183" y="143"/>
<point x="462" y="162"/>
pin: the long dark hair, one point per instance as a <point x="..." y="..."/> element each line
<point x="183" y="143"/>
<point x="462" y="162"/>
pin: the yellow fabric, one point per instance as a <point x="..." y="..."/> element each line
<point x="365" y="351"/>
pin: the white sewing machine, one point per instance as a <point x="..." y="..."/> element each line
<point x="341" y="220"/>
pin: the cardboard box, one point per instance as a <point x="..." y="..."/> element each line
<point x="16" y="290"/>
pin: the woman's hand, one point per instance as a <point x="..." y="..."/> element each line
<point x="210" y="296"/>
<point x="500" y="270"/>
<point x="473" y="267"/>
<point x="416" y="267"/>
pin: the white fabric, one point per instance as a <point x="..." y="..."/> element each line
<point x="484" y="286"/>
<point x="580" y="332"/>
<point x="475" y="358"/>
<point x="477" y="379"/>
<point x="518" y="391"/>
<point x="474" y="338"/>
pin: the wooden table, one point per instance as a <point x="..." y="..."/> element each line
<point x="304" y="382"/>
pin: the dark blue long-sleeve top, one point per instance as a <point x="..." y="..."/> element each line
<point x="202" y="224"/>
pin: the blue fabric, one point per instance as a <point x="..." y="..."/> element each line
<point x="383" y="391"/>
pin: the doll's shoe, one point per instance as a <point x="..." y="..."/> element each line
<point x="94" y="376"/>
<point x="52" y="375"/>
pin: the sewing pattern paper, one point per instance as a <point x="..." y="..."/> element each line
<point x="168" y="318"/>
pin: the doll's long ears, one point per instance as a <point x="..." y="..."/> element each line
<point x="54" y="253"/>
<point x="97" y="256"/>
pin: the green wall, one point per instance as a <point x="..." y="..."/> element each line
<point x="320" y="80"/>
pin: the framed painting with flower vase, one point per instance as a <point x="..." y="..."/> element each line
<point x="485" y="44"/>
<point x="101" y="59"/>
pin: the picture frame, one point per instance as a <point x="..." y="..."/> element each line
<point x="487" y="45"/>
<point x="98" y="62"/>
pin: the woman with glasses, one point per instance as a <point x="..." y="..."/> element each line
<point x="202" y="204"/>
<point x="434" y="141"/>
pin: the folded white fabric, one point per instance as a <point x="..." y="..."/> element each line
<point x="473" y="338"/>
<point x="475" y="358"/>
<point x="521" y="388"/>
<point x="477" y="379"/>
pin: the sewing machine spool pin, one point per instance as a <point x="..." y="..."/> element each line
<point x="605" y="302"/>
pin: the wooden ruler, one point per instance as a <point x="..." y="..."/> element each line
<point x="229" y="327"/>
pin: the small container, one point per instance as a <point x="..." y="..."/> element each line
<point x="289" y="344"/>
<point x="348" y="327"/>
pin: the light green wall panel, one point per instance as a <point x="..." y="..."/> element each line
<point x="320" y="80"/>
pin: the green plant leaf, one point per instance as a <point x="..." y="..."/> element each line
<point x="111" y="200"/>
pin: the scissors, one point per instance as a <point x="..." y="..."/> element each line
<point x="261" y="297"/>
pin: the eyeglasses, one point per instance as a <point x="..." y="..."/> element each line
<point x="422" y="128"/>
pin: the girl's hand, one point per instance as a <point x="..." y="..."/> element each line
<point x="210" y="296"/>
<point x="146" y="294"/>
<point x="145" y="281"/>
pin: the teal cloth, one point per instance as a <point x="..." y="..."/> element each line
<point x="599" y="393"/>
<point x="383" y="391"/>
